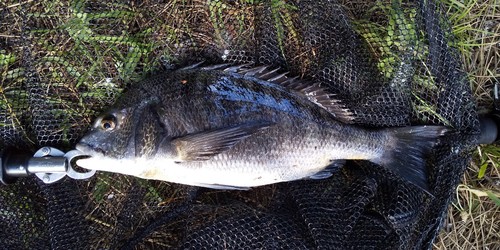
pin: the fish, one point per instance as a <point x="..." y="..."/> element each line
<point x="238" y="127"/>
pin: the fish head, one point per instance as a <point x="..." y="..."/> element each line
<point x="123" y="140"/>
<point x="111" y="136"/>
<point x="129" y="129"/>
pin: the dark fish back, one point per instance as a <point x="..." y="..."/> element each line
<point x="207" y="99"/>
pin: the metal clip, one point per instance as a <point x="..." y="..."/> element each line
<point x="47" y="166"/>
<point x="71" y="156"/>
<point x="51" y="165"/>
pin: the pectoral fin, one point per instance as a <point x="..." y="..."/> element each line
<point x="202" y="146"/>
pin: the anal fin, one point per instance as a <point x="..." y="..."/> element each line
<point x="328" y="171"/>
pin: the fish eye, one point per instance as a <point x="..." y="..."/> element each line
<point x="108" y="123"/>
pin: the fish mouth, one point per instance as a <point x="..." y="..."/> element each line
<point x="90" y="150"/>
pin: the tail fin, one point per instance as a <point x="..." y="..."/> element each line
<point x="407" y="151"/>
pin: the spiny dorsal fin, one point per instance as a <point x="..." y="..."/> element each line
<point x="312" y="91"/>
<point x="192" y="66"/>
<point x="204" y="145"/>
<point x="317" y="94"/>
<point x="237" y="68"/>
<point x="216" y="66"/>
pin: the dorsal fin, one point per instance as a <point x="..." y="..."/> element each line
<point x="237" y="68"/>
<point x="317" y="94"/>
<point x="312" y="91"/>
<point x="216" y="66"/>
<point x="192" y="66"/>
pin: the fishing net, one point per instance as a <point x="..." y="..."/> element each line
<point x="392" y="63"/>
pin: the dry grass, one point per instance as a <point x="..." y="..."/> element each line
<point x="477" y="27"/>
<point x="473" y="221"/>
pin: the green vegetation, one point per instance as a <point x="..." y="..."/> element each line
<point x="398" y="37"/>
<point x="474" y="218"/>
<point x="393" y="44"/>
<point x="282" y="17"/>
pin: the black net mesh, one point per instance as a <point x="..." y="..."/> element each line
<point x="392" y="62"/>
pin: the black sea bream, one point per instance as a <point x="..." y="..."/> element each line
<point x="235" y="128"/>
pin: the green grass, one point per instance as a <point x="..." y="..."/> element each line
<point x="397" y="37"/>
<point x="12" y="95"/>
<point x="393" y="44"/>
<point x="282" y="13"/>
<point x="73" y="58"/>
<point x="475" y="44"/>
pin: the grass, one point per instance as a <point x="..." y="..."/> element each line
<point x="473" y="221"/>
<point x="392" y="44"/>
<point x="91" y="64"/>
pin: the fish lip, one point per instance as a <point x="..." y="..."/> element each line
<point x="90" y="150"/>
